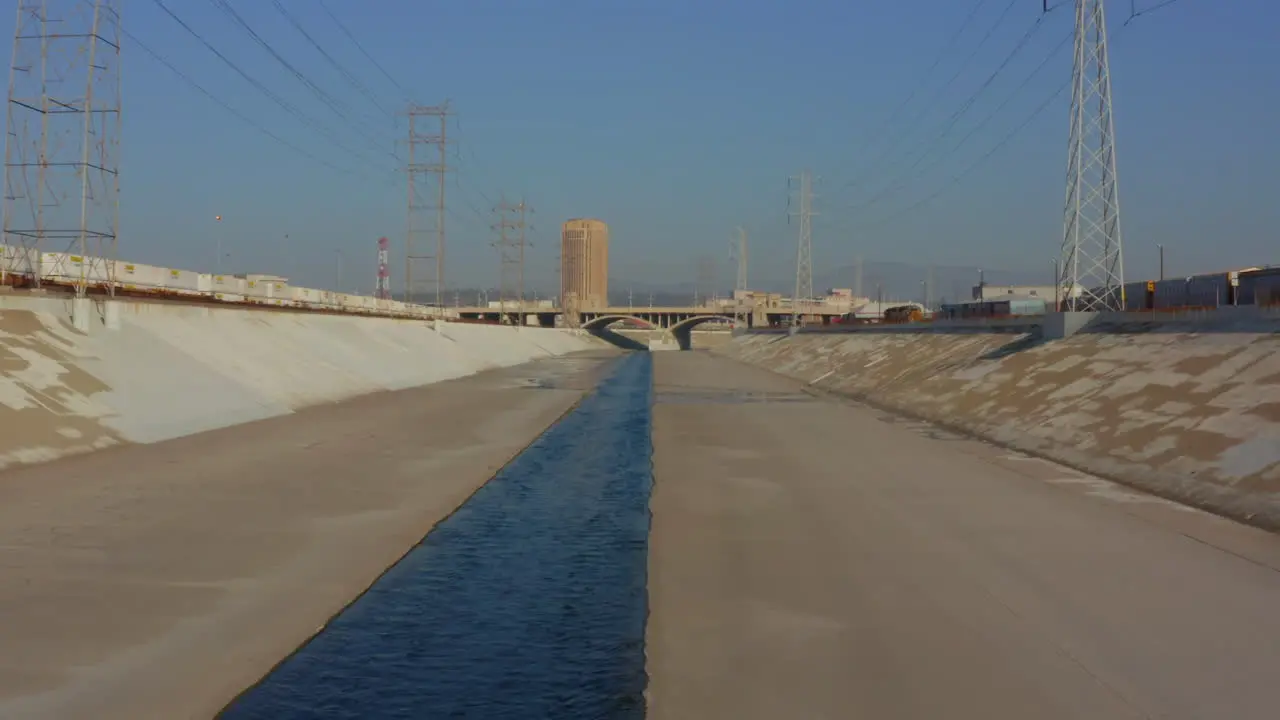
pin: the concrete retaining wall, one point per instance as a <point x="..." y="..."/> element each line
<point x="1183" y="411"/>
<point x="171" y="370"/>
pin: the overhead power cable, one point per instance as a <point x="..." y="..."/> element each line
<point x="348" y="75"/>
<point x="955" y="179"/>
<point x="901" y="179"/>
<point x="284" y="104"/>
<point x="354" y="41"/>
<point x="893" y="116"/>
<point x="226" y="106"/>
<point x="876" y="165"/>
<point x="1135" y="13"/>
<point x="338" y="107"/>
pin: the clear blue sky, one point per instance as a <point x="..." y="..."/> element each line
<point x="676" y="120"/>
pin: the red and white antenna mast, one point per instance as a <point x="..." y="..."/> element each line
<point x="383" y="288"/>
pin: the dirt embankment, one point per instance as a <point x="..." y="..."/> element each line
<point x="1193" y="416"/>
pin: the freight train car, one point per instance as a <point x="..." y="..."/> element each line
<point x="1248" y="286"/>
<point x="1259" y="286"/>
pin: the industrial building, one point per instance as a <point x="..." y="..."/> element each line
<point x="584" y="265"/>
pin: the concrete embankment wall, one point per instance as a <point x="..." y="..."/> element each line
<point x="1190" y="411"/>
<point x="171" y="370"/>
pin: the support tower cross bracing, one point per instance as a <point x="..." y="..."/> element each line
<point x="1091" y="271"/>
<point x="426" y="208"/>
<point x="512" y="227"/>
<point x="804" y="248"/>
<point x="61" y="183"/>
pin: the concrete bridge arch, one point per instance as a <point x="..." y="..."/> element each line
<point x="604" y="321"/>
<point x="677" y="335"/>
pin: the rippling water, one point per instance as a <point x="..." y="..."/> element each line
<point x="528" y="602"/>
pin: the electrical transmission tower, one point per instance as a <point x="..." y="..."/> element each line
<point x="61" y="180"/>
<point x="421" y="210"/>
<point x="511" y="227"/>
<point x="738" y="255"/>
<point x="704" y="283"/>
<point x="1092" y="268"/>
<point x="804" y="247"/>
<point x="382" y="290"/>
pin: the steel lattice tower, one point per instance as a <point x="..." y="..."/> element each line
<point x="61" y="181"/>
<point x="1091" y="275"/>
<point x="511" y="227"/>
<point x="804" y="249"/>
<point x="416" y="226"/>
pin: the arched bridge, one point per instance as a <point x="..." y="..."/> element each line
<point x="661" y="322"/>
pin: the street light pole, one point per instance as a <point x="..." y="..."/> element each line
<point x="1161" y="248"/>
<point x="217" y="247"/>
<point x="1057" y="301"/>
<point x="338" y="272"/>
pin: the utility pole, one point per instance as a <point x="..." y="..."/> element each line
<point x="1092" y="269"/>
<point x="740" y="286"/>
<point x="62" y="180"/>
<point x="419" y="208"/>
<point x="511" y="227"/>
<point x="804" y="247"/>
<point x="857" y="277"/>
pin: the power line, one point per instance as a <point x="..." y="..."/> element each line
<point x="360" y="47"/>
<point x="982" y="160"/>
<point x="1135" y="13"/>
<point x="225" y="106"/>
<point x="955" y="180"/>
<point x="946" y="86"/>
<point x="351" y="78"/>
<point x="338" y="107"/>
<point x="893" y="116"/>
<point x="901" y="181"/>
<point x="284" y="104"/>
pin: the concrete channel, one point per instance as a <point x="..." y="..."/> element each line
<point x="528" y="601"/>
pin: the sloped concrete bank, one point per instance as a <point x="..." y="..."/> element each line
<point x="1179" y="410"/>
<point x="170" y="370"/>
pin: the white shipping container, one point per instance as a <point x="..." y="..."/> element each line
<point x="229" y="297"/>
<point x="19" y="261"/>
<point x="135" y="276"/>
<point x="186" y="282"/>
<point x="304" y="295"/>
<point x="257" y="289"/>
<point x="69" y="267"/>
<point x="228" y="284"/>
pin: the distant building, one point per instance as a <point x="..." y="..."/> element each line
<point x="584" y="264"/>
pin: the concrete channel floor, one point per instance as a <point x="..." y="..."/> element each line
<point x="810" y="558"/>
<point x="159" y="581"/>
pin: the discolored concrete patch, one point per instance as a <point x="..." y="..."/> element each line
<point x="47" y="405"/>
<point x="1191" y="415"/>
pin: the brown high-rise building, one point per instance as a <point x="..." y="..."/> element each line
<point x="584" y="264"/>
